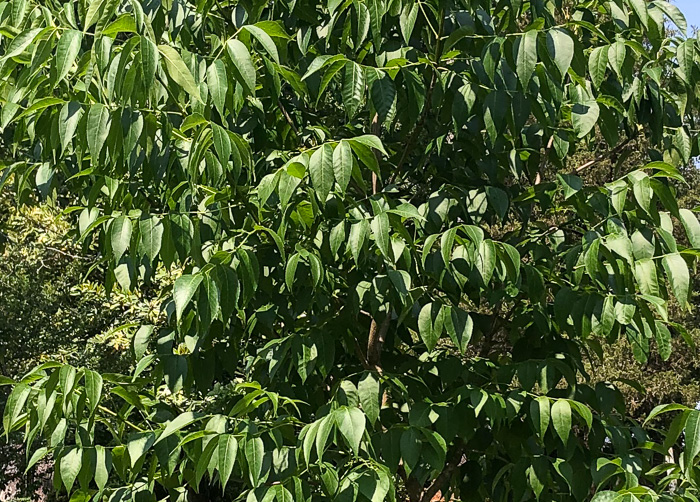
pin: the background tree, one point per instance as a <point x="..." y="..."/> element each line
<point x="383" y="289"/>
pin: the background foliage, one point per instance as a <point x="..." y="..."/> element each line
<point x="390" y="268"/>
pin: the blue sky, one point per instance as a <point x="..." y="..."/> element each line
<point x="691" y="9"/>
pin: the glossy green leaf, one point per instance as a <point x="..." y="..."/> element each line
<point x="228" y="449"/>
<point x="178" y="71"/>
<point x="183" y="290"/>
<point x="242" y="63"/>
<point x="67" y="51"/>
<point x="561" y="419"/>
<point x="321" y="171"/>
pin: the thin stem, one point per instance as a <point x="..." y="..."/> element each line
<point x="124" y="420"/>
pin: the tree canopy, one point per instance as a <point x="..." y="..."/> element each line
<point x="388" y="271"/>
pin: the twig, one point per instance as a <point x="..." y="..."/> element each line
<point x="375" y="342"/>
<point x="287" y="117"/>
<point x="543" y="163"/>
<point x="444" y="476"/>
<point x="110" y="412"/>
<point x="70" y="255"/>
<point x="605" y="155"/>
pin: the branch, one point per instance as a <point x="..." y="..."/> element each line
<point x="413" y="488"/>
<point x="444" y="476"/>
<point x="375" y="342"/>
<point x="606" y="155"/>
<point x="543" y="163"/>
<point x="287" y="117"/>
<point x="376" y="130"/>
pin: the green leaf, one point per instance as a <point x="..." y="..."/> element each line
<point x="92" y="14"/>
<point x="98" y="123"/>
<point x="120" y="236"/>
<point x="321" y="171"/>
<point x="204" y="459"/>
<point x="353" y="88"/>
<point x="291" y="270"/>
<point x="640" y="8"/>
<point x="526" y="56"/>
<point x="692" y="439"/>
<point x="358" y="236"/>
<point x="324" y="430"/>
<point x="178" y="71"/>
<point x="486" y="260"/>
<point x="692" y="227"/>
<point x="380" y="231"/>
<point x="242" y="63"/>
<point x="351" y="424"/>
<point x="674" y="14"/>
<point x="70" y="464"/>
<point x="67" y="51"/>
<point x="584" y="117"/>
<point x="540" y="415"/>
<point x="370" y="396"/>
<point x="141" y="338"/>
<point x="217" y="80"/>
<point x="663" y="340"/>
<point x="178" y="423"/>
<point x="68" y="121"/>
<point x="150" y="57"/>
<point x="383" y="93"/>
<point x="608" y="496"/>
<point x="103" y="466"/>
<point x="678" y="275"/>
<point x="151" y="236"/>
<point x="265" y="40"/>
<point x="138" y="445"/>
<point x="228" y="449"/>
<point x="20" y="43"/>
<point x="254" y="452"/>
<point x="459" y="327"/>
<point x="222" y="143"/>
<point x="407" y="20"/>
<point x="376" y="13"/>
<point x="183" y="290"/>
<point x="561" y="419"/>
<point x="93" y="388"/>
<point x="427" y="325"/>
<point x="560" y="47"/>
<point x="616" y="57"/>
<point x="598" y="65"/>
<point x="13" y="406"/>
<point x="342" y="164"/>
<point x="645" y="274"/>
<point x="664" y="408"/>
<point x="370" y="141"/>
<point x="36" y="456"/>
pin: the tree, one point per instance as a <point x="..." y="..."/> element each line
<point x="382" y="289"/>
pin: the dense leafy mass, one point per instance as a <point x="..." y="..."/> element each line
<point x="389" y="271"/>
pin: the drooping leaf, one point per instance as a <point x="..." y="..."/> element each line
<point x="120" y="236"/>
<point x="243" y="64"/>
<point x="183" y="290"/>
<point x="561" y="419"/>
<point x="178" y="71"/>
<point x="228" y="449"/>
<point x="321" y="171"/>
<point x="67" y="51"/>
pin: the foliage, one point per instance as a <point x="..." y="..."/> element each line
<point x="51" y="311"/>
<point x="382" y="292"/>
<point x="47" y="298"/>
